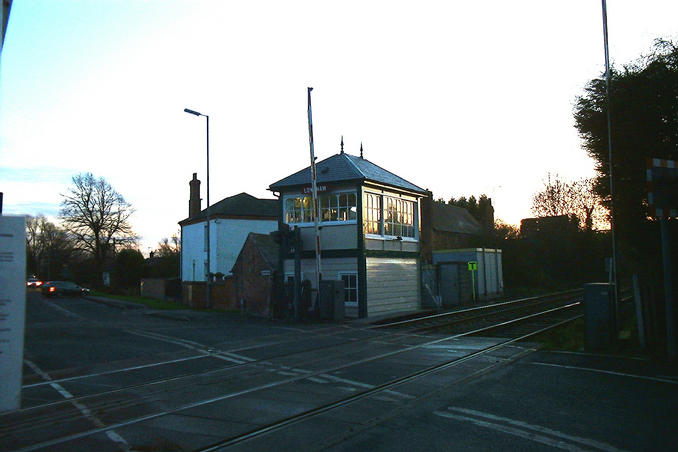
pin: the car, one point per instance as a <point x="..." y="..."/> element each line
<point x="55" y="288"/>
<point x="33" y="282"/>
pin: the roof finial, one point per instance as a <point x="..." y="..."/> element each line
<point x="361" y="149"/>
<point x="342" y="144"/>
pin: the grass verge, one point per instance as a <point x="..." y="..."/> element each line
<point x="569" y="337"/>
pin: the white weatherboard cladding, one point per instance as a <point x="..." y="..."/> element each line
<point x="392" y="285"/>
<point x="331" y="267"/>
<point x="332" y="237"/>
<point x="227" y="237"/>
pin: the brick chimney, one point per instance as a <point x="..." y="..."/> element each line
<point x="487" y="216"/>
<point x="194" y="202"/>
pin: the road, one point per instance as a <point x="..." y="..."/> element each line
<point x="100" y="377"/>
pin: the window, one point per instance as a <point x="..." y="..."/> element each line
<point x="350" y="287"/>
<point x="396" y="214"/>
<point x="333" y="207"/>
<point x="298" y="210"/>
<point x="399" y="217"/>
<point x="372" y="220"/>
<point x="347" y="206"/>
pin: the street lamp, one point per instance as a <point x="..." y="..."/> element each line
<point x="208" y="280"/>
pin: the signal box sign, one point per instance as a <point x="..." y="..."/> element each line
<point x="662" y="188"/>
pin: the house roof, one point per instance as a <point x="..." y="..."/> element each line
<point x="449" y="218"/>
<point x="267" y="247"/>
<point x="240" y="205"/>
<point x="344" y="167"/>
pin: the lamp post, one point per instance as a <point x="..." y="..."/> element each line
<point x="208" y="303"/>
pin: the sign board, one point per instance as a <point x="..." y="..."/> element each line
<point x="472" y="266"/>
<point x="662" y="187"/>
<point x="12" y="308"/>
<point x="320" y="188"/>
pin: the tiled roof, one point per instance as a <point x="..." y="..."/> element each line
<point x="240" y="205"/>
<point x="449" y="218"/>
<point x="344" y="167"/>
<point x="267" y="246"/>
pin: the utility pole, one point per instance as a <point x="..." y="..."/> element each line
<point x="609" y="156"/>
<point x="208" y="276"/>
<point x="314" y="193"/>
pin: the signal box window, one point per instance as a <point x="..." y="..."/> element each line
<point x="350" y="288"/>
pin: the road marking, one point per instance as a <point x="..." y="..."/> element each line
<point x="111" y="434"/>
<point x="175" y="340"/>
<point x="274" y="384"/>
<point x="62" y="310"/>
<point x="609" y="372"/>
<point x="512" y="431"/>
<point x="238" y="356"/>
<point x="126" y="369"/>
<point x="364" y="385"/>
<point x="539" y="428"/>
<point x="48" y="380"/>
<point x="566" y="352"/>
<point x="317" y="380"/>
<point x="287" y="374"/>
<point x="188" y="344"/>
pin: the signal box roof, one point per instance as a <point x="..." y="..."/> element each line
<point x="344" y="168"/>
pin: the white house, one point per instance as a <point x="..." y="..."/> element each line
<point x="231" y="220"/>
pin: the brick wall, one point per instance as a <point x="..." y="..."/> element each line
<point x="222" y="295"/>
<point x="153" y="288"/>
<point x="253" y="290"/>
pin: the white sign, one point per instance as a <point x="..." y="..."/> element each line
<point x="12" y="308"/>
<point x="320" y="188"/>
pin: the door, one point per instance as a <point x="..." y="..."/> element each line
<point x="449" y="284"/>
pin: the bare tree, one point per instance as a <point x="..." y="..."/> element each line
<point x="169" y="246"/>
<point x="97" y="217"/>
<point x="48" y="247"/>
<point x="570" y="198"/>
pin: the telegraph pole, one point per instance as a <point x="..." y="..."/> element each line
<point x="314" y="194"/>
<point x="609" y="156"/>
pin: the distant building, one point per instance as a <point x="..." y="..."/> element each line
<point x="231" y="220"/>
<point x="447" y="227"/>
<point x="560" y="224"/>
<point x="369" y="232"/>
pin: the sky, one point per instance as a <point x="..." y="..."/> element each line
<point x="461" y="98"/>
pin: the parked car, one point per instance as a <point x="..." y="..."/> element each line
<point x="54" y="288"/>
<point x="34" y="282"/>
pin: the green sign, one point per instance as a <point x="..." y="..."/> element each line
<point x="473" y="267"/>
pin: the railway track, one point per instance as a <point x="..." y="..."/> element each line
<point x="461" y="320"/>
<point x="563" y="314"/>
<point x="138" y="404"/>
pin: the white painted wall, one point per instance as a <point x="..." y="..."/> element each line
<point x="392" y="285"/>
<point x="227" y="237"/>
